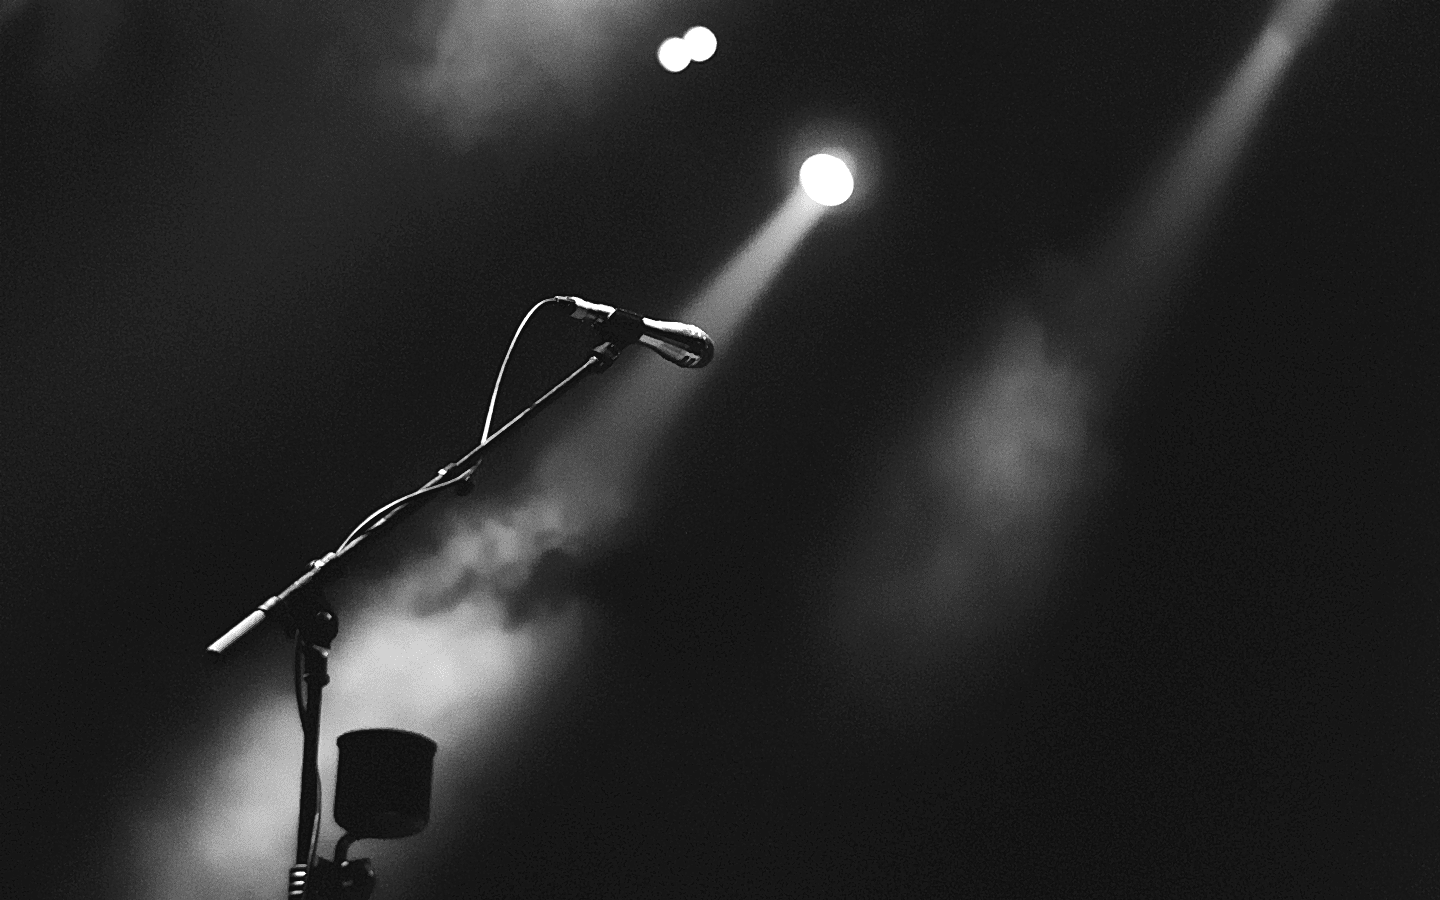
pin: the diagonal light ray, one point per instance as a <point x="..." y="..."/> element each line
<point x="431" y="647"/>
<point x="957" y="553"/>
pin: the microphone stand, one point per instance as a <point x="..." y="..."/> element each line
<point x="316" y="626"/>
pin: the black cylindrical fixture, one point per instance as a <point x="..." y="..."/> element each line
<point x="382" y="784"/>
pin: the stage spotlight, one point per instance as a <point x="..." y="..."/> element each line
<point x="827" y="180"/>
<point x="674" y="54"/>
<point x="701" y="43"/>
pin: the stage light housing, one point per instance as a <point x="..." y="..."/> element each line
<point x="827" y="180"/>
<point x="701" y="43"/>
<point x="673" y="54"/>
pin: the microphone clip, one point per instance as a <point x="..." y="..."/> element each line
<point x="605" y="354"/>
<point x="622" y="326"/>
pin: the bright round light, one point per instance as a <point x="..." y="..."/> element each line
<point x="673" y="54"/>
<point x="827" y="180"/>
<point x="701" y="43"/>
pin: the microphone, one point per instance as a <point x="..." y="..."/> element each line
<point x="684" y="345"/>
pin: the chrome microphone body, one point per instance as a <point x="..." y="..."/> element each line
<point x="685" y="345"/>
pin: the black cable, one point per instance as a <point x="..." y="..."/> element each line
<point x="303" y="709"/>
<point x="500" y="376"/>
<point x="300" y="679"/>
<point x="365" y="525"/>
<point x="315" y="827"/>
<point x="371" y="520"/>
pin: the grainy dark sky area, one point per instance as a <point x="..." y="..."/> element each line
<point x="1010" y="548"/>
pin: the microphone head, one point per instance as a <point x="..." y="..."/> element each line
<point x="685" y="345"/>
<point x="707" y="351"/>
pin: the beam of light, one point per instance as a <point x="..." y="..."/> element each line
<point x="1299" y="19"/>
<point x="960" y="543"/>
<point x="723" y="303"/>
<point x="438" y="646"/>
<point x="1164" y="227"/>
<point x="601" y="461"/>
<point x="1175" y="206"/>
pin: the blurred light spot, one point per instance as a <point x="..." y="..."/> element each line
<point x="700" y="42"/>
<point x="827" y="180"/>
<point x="674" y="54"/>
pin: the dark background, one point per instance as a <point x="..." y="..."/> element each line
<point x="243" y="303"/>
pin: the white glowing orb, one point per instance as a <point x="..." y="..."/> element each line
<point x="674" y="54"/>
<point x="827" y="180"/>
<point x="701" y="43"/>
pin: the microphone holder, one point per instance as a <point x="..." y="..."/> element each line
<point x="315" y="627"/>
